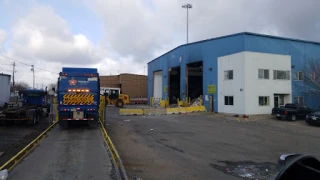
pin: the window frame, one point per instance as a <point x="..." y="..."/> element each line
<point x="275" y="72"/>
<point x="294" y="100"/>
<point x="227" y="76"/>
<point x="263" y="73"/>
<point x="297" y="76"/>
<point x="268" y="100"/>
<point x="312" y="76"/>
<point x="227" y="103"/>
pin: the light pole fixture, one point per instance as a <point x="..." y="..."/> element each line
<point x="187" y="6"/>
<point x="32" y="69"/>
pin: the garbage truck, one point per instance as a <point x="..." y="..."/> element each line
<point x="78" y="95"/>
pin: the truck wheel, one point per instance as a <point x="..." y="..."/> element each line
<point x="293" y="117"/>
<point x="34" y="120"/>
<point x="38" y="119"/>
<point x="119" y="103"/>
<point x="93" y="124"/>
<point x="279" y="118"/>
<point x="63" y="124"/>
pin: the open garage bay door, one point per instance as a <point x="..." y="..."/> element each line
<point x="157" y="86"/>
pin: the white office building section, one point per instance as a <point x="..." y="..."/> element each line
<point x="253" y="82"/>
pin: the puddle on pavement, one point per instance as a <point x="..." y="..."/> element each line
<point x="248" y="169"/>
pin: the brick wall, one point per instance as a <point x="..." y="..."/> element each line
<point x="131" y="84"/>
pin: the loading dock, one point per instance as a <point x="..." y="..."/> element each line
<point x="194" y="80"/>
<point x="157" y="86"/>
<point x="174" y="84"/>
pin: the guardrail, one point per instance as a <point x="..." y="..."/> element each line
<point x="116" y="160"/>
<point x="9" y="165"/>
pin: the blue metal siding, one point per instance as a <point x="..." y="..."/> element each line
<point x="299" y="52"/>
<point x="206" y="51"/>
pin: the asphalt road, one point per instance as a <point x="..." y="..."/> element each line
<point x="206" y="146"/>
<point x="75" y="153"/>
<point x="15" y="137"/>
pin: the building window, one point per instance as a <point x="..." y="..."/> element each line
<point x="299" y="100"/>
<point x="281" y="74"/>
<point x="264" y="100"/>
<point x="313" y="76"/>
<point x="298" y="76"/>
<point x="228" y="100"/>
<point x="228" y="75"/>
<point x="263" y="74"/>
<point x="281" y="99"/>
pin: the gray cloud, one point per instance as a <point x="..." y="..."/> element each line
<point x="142" y="32"/>
<point x="136" y="32"/>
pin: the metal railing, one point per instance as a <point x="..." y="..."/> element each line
<point x="116" y="160"/>
<point x="9" y="165"/>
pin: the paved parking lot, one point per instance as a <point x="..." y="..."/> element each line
<point x="207" y="146"/>
<point x="15" y="137"/>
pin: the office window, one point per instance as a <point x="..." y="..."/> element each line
<point x="298" y="76"/>
<point x="277" y="74"/>
<point x="313" y="76"/>
<point x="263" y="74"/>
<point x="228" y="100"/>
<point x="299" y="100"/>
<point x="264" y="100"/>
<point x="228" y="75"/>
<point x="281" y="99"/>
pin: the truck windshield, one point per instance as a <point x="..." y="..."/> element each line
<point x="292" y="106"/>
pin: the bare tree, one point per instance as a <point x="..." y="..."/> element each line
<point x="19" y="86"/>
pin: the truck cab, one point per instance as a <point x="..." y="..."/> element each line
<point x="78" y="94"/>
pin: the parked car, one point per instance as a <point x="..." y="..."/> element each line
<point x="291" y="112"/>
<point x="313" y="118"/>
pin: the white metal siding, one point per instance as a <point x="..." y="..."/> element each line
<point x="233" y="62"/>
<point x="256" y="87"/>
<point x="245" y="67"/>
<point x="157" y="85"/>
<point x="4" y="89"/>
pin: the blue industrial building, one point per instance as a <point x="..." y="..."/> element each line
<point x="207" y="53"/>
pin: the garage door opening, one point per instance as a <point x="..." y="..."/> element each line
<point x="195" y="80"/>
<point x="174" y="85"/>
<point x="157" y="86"/>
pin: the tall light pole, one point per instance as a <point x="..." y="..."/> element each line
<point x="187" y="6"/>
<point x="32" y="69"/>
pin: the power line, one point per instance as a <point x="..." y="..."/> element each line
<point x="26" y="64"/>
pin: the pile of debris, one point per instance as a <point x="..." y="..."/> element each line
<point x="196" y="102"/>
<point x="173" y="105"/>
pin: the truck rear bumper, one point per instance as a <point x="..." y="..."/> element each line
<point x="279" y="115"/>
<point x="80" y="119"/>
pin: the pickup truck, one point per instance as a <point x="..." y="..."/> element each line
<point x="291" y="111"/>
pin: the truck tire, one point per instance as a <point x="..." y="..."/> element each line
<point x="93" y="124"/>
<point x="63" y="124"/>
<point x="38" y="118"/>
<point x="34" y="120"/>
<point x="279" y="118"/>
<point x="293" y="117"/>
<point x="119" y="103"/>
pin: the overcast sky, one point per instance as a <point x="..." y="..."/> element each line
<point x="124" y="35"/>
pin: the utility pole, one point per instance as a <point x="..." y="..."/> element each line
<point x="187" y="6"/>
<point x="13" y="71"/>
<point x="32" y="69"/>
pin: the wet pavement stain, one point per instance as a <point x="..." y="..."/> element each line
<point x="248" y="169"/>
